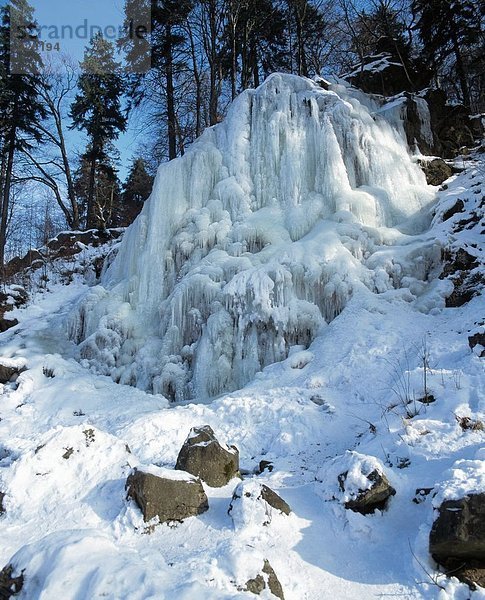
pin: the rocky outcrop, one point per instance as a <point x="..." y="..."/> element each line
<point x="385" y="75"/>
<point x="267" y="579"/>
<point x="374" y="498"/>
<point x="165" y="494"/>
<point x="253" y="503"/>
<point x="457" y="538"/>
<point x="202" y="455"/>
<point x="65" y="245"/>
<point x="460" y="267"/>
<point x="436" y="170"/>
<point x="10" y="585"/>
<point x="450" y="123"/>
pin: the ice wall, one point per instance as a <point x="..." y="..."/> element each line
<point x="251" y="242"/>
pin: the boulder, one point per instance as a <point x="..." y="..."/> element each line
<point x="166" y="494"/>
<point x="266" y="579"/>
<point x="252" y="504"/>
<point x="202" y="455"/>
<point x="436" y="171"/>
<point x="457" y="538"/>
<point x="376" y="497"/>
<point x="9" y="372"/>
<point x="9" y="585"/>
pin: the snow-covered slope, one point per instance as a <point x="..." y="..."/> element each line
<point x="257" y="238"/>
<point x="69" y="437"/>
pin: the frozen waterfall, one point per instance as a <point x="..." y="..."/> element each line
<point x="253" y="240"/>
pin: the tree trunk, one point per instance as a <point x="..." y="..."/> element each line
<point x="254" y="63"/>
<point x="6" y="196"/>
<point x="198" y="85"/>
<point x="91" y="221"/>
<point x="171" y="117"/>
<point x="71" y="194"/>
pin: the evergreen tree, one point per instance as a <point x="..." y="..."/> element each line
<point x="448" y="28"/>
<point x="97" y="111"/>
<point x="136" y="190"/>
<point x="20" y="108"/>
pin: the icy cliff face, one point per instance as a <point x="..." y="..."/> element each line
<point x="253" y="240"/>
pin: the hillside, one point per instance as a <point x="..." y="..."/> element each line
<point x="294" y="283"/>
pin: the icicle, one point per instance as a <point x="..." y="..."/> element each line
<point x="251" y="241"/>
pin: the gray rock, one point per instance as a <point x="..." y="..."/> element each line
<point x="203" y="456"/>
<point x="2" y="507"/>
<point x="436" y="170"/>
<point x="457" y="538"/>
<point x="375" y="498"/>
<point x="9" y="585"/>
<point x="267" y="579"/>
<point x="459" y="530"/>
<point x="169" y="499"/>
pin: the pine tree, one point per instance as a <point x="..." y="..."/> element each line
<point x="137" y="189"/>
<point x="20" y="108"/>
<point x="97" y="111"/>
<point x="448" y="28"/>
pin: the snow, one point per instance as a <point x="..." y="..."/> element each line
<point x="345" y="398"/>
<point x="253" y="241"/>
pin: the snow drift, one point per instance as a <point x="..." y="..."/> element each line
<point x="253" y="240"/>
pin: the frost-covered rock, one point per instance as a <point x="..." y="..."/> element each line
<point x="168" y="495"/>
<point x="204" y="456"/>
<point x="356" y="480"/>
<point x="267" y="579"/>
<point x="253" y="240"/>
<point x="254" y="503"/>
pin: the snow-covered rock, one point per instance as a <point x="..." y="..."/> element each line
<point x="204" y="456"/>
<point x="168" y="495"/>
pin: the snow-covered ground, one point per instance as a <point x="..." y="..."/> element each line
<point x="69" y="437"/>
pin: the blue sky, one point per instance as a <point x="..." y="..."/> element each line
<point x="53" y="15"/>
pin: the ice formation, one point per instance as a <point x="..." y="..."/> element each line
<point x="253" y="240"/>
